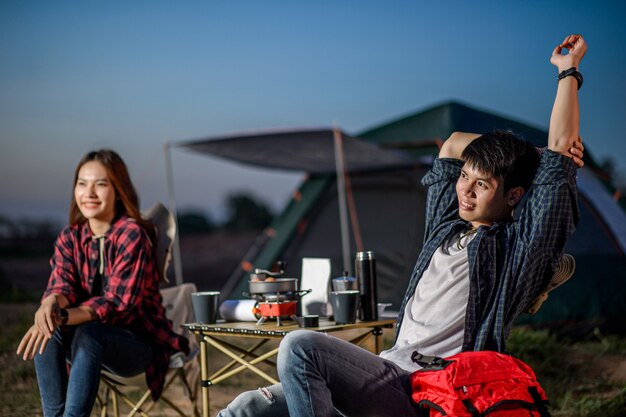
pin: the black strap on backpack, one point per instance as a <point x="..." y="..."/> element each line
<point x="538" y="402"/>
<point x="424" y="407"/>
<point x="434" y="363"/>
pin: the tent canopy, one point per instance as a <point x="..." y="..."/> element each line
<point x="308" y="150"/>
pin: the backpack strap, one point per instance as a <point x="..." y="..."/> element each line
<point x="540" y="403"/>
<point x="422" y="412"/>
<point x="434" y="363"/>
<point x="470" y="407"/>
<point x="424" y="406"/>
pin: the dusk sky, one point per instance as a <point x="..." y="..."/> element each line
<point x="133" y="75"/>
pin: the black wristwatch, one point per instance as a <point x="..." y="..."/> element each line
<point x="64" y="316"/>
<point x="574" y="73"/>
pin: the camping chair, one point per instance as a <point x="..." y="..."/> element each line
<point x="165" y="225"/>
<point x="177" y="302"/>
<point x="566" y="269"/>
<point x="178" y="309"/>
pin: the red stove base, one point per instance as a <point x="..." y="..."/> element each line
<point x="277" y="310"/>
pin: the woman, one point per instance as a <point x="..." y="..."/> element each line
<point x="102" y="307"/>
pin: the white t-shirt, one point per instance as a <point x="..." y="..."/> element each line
<point x="434" y="319"/>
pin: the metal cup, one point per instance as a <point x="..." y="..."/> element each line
<point x="205" y="306"/>
<point x="345" y="306"/>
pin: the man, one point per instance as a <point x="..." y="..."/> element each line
<point x="481" y="265"/>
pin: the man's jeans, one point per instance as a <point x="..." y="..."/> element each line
<point x="325" y="376"/>
<point x="88" y="347"/>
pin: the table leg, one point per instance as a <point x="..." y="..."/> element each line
<point x="204" y="372"/>
<point x="378" y="339"/>
<point x="251" y="365"/>
<point x="243" y="354"/>
<point x="360" y="339"/>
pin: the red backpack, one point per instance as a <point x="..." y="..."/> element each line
<point x="476" y="384"/>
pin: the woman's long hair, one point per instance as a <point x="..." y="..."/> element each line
<point x="126" y="198"/>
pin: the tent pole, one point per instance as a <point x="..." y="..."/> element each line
<point x="169" y="173"/>
<point x="341" y="195"/>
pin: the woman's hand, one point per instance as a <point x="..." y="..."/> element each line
<point x="47" y="319"/>
<point x="48" y="316"/>
<point x="34" y="340"/>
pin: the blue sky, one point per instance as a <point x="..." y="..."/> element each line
<point x="76" y="76"/>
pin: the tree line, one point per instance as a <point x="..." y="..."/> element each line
<point x="243" y="213"/>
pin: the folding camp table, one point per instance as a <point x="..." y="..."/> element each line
<point x="215" y="335"/>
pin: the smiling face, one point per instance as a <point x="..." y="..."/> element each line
<point x="482" y="200"/>
<point x="95" y="196"/>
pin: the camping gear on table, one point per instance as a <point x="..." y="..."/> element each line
<point x="474" y="384"/>
<point x="365" y="268"/>
<point x="277" y="297"/>
<point x="240" y="310"/>
<point x="315" y="275"/>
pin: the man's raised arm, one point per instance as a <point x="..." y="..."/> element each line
<point x="563" y="136"/>
<point x="453" y="146"/>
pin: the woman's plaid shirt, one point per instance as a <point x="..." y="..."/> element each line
<point x="130" y="290"/>
<point x="509" y="262"/>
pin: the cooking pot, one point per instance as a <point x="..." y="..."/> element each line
<point x="274" y="285"/>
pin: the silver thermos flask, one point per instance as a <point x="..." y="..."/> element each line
<point x="365" y="270"/>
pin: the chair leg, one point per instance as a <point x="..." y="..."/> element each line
<point x="180" y="374"/>
<point x="173" y="406"/>
<point x="144" y="406"/>
<point x="116" y="405"/>
<point x="191" y="392"/>
<point x="103" y="403"/>
<point x="109" y="397"/>
<point x="136" y="408"/>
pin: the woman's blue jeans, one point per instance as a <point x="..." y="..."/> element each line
<point x="89" y="347"/>
<point x="324" y="376"/>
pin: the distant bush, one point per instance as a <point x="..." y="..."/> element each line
<point x="25" y="238"/>
<point x="9" y="293"/>
<point x="243" y="213"/>
<point x="246" y="213"/>
<point x="194" y="222"/>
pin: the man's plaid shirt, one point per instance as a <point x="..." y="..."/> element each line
<point x="509" y="262"/>
<point x="130" y="295"/>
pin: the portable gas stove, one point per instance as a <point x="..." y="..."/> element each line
<point x="277" y="306"/>
<point x="277" y="297"/>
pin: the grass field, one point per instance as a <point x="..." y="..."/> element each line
<point x="583" y="379"/>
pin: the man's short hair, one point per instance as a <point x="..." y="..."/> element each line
<point x="503" y="154"/>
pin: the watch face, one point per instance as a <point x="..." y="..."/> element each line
<point x="64" y="316"/>
<point x="567" y="72"/>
